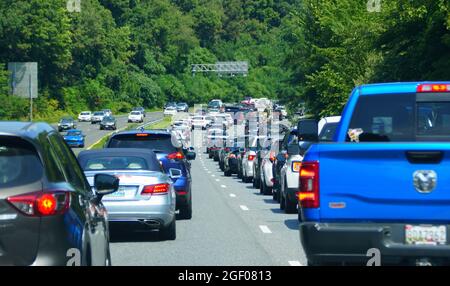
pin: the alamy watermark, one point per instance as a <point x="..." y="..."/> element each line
<point x="74" y="257"/>
<point x="374" y="6"/>
<point x="74" y="6"/>
<point x="375" y="257"/>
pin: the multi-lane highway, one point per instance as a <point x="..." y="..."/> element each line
<point x="94" y="134"/>
<point x="232" y="225"/>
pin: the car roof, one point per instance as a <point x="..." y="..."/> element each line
<point x="118" y="152"/>
<point x="24" y="129"/>
<point x="395" y="87"/>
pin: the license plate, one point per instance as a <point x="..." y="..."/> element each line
<point x="426" y="235"/>
<point x="123" y="192"/>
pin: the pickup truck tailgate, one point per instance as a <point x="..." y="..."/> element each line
<point x="395" y="183"/>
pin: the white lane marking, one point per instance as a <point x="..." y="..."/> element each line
<point x="232" y="195"/>
<point x="244" y="208"/>
<point x="223" y="186"/>
<point x="265" y="229"/>
<point x="295" y="263"/>
<point x="217" y="180"/>
<point x="213" y="176"/>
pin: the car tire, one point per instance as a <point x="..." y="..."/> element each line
<point x="281" y="198"/>
<point x="108" y="262"/>
<point x="170" y="232"/>
<point x="227" y="173"/>
<point x="186" y="211"/>
<point x="261" y="189"/>
<point x="221" y="165"/>
<point x="275" y="194"/>
<point x="82" y="146"/>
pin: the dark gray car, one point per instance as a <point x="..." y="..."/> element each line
<point x="48" y="212"/>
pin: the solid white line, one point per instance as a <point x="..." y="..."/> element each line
<point x="223" y="186"/>
<point x="295" y="263"/>
<point x="232" y="195"/>
<point x="244" y="208"/>
<point x="265" y="229"/>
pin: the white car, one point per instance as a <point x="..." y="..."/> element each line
<point x="202" y="122"/>
<point x="248" y="159"/>
<point x="136" y="116"/>
<point x="170" y="111"/>
<point x="85" y="116"/>
<point x="266" y="172"/>
<point x="97" y="117"/>
<point x="226" y="118"/>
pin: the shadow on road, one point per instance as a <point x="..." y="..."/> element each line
<point x="124" y="235"/>
<point x="292" y="224"/>
<point x="270" y="201"/>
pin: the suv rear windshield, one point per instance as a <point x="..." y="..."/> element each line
<point x="327" y="133"/>
<point x="400" y="118"/>
<point x="19" y="163"/>
<point x="158" y="143"/>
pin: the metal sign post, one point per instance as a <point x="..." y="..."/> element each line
<point x="24" y="81"/>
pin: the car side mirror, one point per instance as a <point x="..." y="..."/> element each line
<point x="105" y="184"/>
<point x="191" y="155"/>
<point x="308" y="130"/>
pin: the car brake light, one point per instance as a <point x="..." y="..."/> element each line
<point x="251" y="157"/>
<point x="308" y="195"/>
<point x="175" y="156"/>
<point x="142" y="135"/>
<point x="41" y="203"/>
<point x="433" y="88"/>
<point x="159" y="189"/>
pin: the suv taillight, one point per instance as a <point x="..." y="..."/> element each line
<point x="175" y="156"/>
<point x="251" y="157"/>
<point x="38" y="204"/>
<point x="308" y="195"/>
<point x="159" y="189"/>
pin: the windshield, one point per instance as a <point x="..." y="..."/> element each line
<point x="128" y="163"/>
<point x="135" y="113"/>
<point x="85" y="113"/>
<point x="99" y="113"/>
<point x="156" y="143"/>
<point x="327" y="133"/>
<point x="73" y="133"/>
<point x="403" y="119"/>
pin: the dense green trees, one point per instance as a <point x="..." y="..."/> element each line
<point x="121" y="53"/>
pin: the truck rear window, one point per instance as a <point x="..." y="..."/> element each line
<point x="400" y="118"/>
<point x="19" y="163"/>
<point x="156" y="143"/>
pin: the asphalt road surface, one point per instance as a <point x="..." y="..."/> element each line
<point x="94" y="134"/>
<point x="232" y="225"/>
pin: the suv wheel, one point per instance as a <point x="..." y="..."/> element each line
<point x="186" y="211"/>
<point x="170" y="232"/>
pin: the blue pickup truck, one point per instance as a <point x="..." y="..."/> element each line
<point x="382" y="187"/>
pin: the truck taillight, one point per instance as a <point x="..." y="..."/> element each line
<point x="308" y="195"/>
<point x="39" y="204"/>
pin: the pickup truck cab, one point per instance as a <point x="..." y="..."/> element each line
<point x="383" y="184"/>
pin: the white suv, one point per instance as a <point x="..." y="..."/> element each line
<point x="248" y="159"/>
<point x="85" y="116"/>
<point x="289" y="174"/>
<point x="136" y="116"/>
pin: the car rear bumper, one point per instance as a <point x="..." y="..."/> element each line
<point x="139" y="211"/>
<point x="350" y="243"/>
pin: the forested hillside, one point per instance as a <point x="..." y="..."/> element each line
<point x="122" y="53"/>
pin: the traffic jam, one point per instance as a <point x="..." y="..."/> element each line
<point x="366" y="187"/>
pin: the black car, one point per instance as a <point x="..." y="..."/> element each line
<point x="66" y="123"/>
<point x="108" y="122"/>
<point x="140" y="109"/>
<point x="52" y="212"/>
